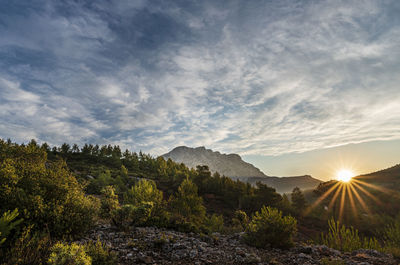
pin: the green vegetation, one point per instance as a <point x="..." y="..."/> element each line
<point x="186" y="206"/>
<point x="347" y="239"/>
<point x="268" y="228"/>
<point x="100" y="253"/>
<point x="299" y="203"/>
<point x="46" y="194"/>
<point x="240" y="221"/>
<point x="50" y="195"/>
<point x="29" y="248"/>
<point x="109" y="202"/>
<point x="8" y="223"/>
<point x="215" y="223"/>
<point x="391" y="235"/>
<point x="73" y="254"/>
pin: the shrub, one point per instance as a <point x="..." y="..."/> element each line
<point x="46" y="193"/>
<point x="100" y="253"/>
<point x="28" y="249"/>
<point x="347" y="239"/>
<point x="129" y="215"/>
<point x="269" y="229"/>
<point x="109" y="202"/>
<point x="391" y="235"/>
<point x="144" y="191"/>
<point x="215" y="223"/>
<point x="8" y="223"/>
<point x="72" y="254"/>
<point x="240" y="221"/>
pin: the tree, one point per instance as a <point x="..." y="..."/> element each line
<point x="75" y="148"/>
<point x="186" y="205"/>
<point x="65" y="148"/>
<point x="144" y="191"/>
<point x="298" y="201"/>
<point x="46" y="194"/>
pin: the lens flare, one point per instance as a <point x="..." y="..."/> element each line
<point x="344" y="175"/>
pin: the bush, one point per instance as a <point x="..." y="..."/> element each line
<point x="109" y="202"/>
<point x="8" y="223"/>
<point x="28" y="249"/>
<point x="391" y="235"/>
<point x="144" y="191"/>
<point x="215" y="223"/>
<point x="72" y="254"/>
<point x="46" y="193"/>
<point x="129" y="215"/>
<point x="100" y="253"/>
<point x="269" y="229"/>
<point x="240" y="221"/>
<point x="347" y="239"/>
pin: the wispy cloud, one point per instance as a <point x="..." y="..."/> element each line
<point x="252" y="77"/>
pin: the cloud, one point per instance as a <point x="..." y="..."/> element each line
<point x="251" y="78"/>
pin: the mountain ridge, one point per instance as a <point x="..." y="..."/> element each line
<point x="232" y="165"/>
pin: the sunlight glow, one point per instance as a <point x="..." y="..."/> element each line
<point x="344" y="175"/>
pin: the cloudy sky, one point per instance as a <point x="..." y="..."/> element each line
<point x="258" y="78"/>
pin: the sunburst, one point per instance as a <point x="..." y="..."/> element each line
<point x="348" y="190"/>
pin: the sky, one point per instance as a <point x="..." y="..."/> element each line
<point x="273" y="81"/>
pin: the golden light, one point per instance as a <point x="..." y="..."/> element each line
<point x="347" y="192"/>
<point x="344" y="175"/>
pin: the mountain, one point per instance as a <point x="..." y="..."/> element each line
<point x="232" y="165"/>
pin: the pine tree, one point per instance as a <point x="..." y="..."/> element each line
<point x="298" y="201"/>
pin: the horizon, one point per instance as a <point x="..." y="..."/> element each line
<point x="294" y="88"/>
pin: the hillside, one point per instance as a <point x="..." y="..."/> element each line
<point x="286" y="184"/>
<point x="369" y="200"/>
<point x="232" y="165"/>
<point x="389" y="177"/>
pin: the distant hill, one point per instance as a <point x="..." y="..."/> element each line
<point x="286" y="184"/>
<point x="388" y="178"/>
<point x="232" y="165"/>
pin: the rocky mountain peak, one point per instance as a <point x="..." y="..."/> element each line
<point x="230" y="165"/>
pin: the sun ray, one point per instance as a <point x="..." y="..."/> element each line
<point x="385" y="190"/>
<point x="335" y="196"/>
<point x="343" y="198"/>
<point x="361" y="201"/>
<point x="351" y="198"/>
<point x="367" y="193"/>
<point x="321" y="198"/>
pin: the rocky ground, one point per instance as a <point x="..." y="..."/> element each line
<point x="149" y="245"/>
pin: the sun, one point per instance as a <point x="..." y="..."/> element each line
<point x="344" y="175"/>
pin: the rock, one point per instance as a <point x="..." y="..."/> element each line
<point x="252" y="258"/>
<point x="146" y="259"/>
<point x="304" y="256"/>
<point x="305" y="249"/>
<point x="139" y="245"/>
